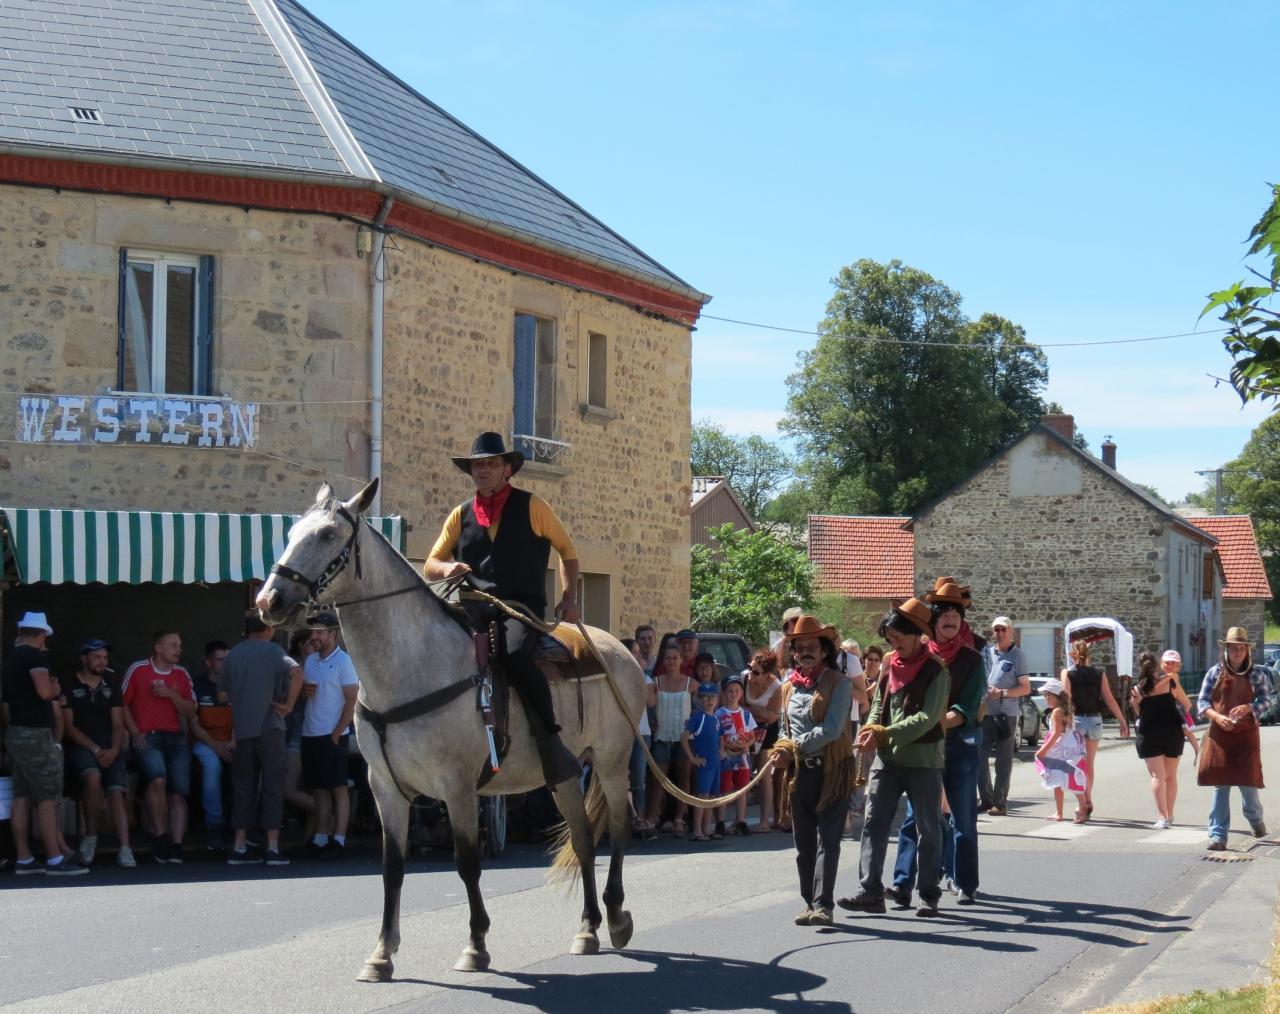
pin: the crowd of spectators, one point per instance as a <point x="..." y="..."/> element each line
<point x="260" y="725"/>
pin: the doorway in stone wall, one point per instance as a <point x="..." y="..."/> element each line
<point x="1037" y="642"/>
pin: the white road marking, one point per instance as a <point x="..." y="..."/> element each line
<point x="1064" y="831"/>
<point x="1177" y="836"/>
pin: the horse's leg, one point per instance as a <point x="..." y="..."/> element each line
<point x="393" y="811"/>
<point x="619" y="919"/>
<point x="464" y="818"/>
<point x="570" y="801"/>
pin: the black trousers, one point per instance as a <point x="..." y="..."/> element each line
<point x="817" y="837"/>
<point x="517" y="643"/>
<point x="257" y="782"/>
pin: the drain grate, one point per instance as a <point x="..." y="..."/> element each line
<point x="1233" y="857"/>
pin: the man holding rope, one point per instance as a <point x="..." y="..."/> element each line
<point x="502" y="540"/>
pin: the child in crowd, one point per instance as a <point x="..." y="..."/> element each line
<point x="738" y="736"/>
<point x="701" y="742"/>
<point x="704" y="668"/>
<point x="1061" y="757"/>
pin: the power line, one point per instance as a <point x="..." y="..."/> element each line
<point x="910" y="341"/>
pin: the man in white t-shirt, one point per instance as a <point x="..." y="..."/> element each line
<point x="331" y="685"/>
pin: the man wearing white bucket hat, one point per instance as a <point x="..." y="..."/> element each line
<point x="35" y="757"/>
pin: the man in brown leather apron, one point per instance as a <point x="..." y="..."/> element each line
<point x="1235" y="696"/>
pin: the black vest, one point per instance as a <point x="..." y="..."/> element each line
<point x="915" y="693"/>
<point x="1086" y="689"/>
<point x="515" y="565"/>
<point x="966" y="666"/>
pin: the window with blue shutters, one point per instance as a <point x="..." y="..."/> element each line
<point x="533" y="412"/>
<point x="165" y="323"/>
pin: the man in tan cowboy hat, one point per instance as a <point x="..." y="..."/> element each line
<point x="905" y="726"/>
<point x="502" y="539"/>
<point x="816" y="704"/>
<point x="1235" y="696"/>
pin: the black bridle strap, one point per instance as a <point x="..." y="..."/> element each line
<point x="336" y="565"/>
<point x="385" y="595"/>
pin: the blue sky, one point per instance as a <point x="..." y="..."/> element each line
<point x="1088" y="170"/>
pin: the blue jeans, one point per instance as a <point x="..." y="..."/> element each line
<point x="960" y="829"/>
<point x="167" y="756"/>
<point x="637" y="771"/>
<point x="210" y="785"/>
<point x="1220" y="814"/>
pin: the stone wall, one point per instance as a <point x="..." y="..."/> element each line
<point x="1248" y="613"/>
<point x="622" y="488"/>
<point x="1044" y="538"/>
<point x="291" y="325"/>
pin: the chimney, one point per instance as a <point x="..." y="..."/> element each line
<point x="1109" y="452"/>
<point x="1063" y="425"/>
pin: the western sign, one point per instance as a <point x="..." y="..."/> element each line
<point x="136" y="419"/>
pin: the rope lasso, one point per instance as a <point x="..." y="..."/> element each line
<point x="516" y="611"/>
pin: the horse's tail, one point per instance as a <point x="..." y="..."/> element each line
<point x="565" y="867"/>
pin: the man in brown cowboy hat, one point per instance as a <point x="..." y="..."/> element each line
<point x="1235" y="696"/>
<point x="817" y="701"/>
<point x="502" y="539"/>
<point x="905" y="726"/>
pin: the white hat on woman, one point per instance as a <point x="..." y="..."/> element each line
<point x="1171" y="656"/>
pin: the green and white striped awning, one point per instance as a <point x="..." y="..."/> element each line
<point x="134" y="547"/>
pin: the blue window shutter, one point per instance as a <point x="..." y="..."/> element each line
<point x="526" y="354"/>
<point x="204" y="329"/>
<point x="120" y="319"/>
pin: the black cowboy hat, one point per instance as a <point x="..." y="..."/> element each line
<point x="490" y="445"/>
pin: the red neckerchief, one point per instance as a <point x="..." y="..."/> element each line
<point x="802" y="681"/>
<point x="488" y="509"/>
<point x="903" y="671"/>
<point x="948" y="650"/>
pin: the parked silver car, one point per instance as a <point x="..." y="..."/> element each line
<point x="1033" y="714"/>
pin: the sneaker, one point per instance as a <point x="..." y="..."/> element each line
<point x="719" y="828"/>
<point x="822" y="917"/>
<point x="1161" y="825"/>
<point x="984" y="807"/>
<point x="900" y="896"/>
<point x="214" y="840"/>
<point x="315" y="851"/>
<point x="1216" y="846"/>
<point x="1259" y="829"/>
<point x="273" y="857"/>
<point x="998" y="811"/>
<point x="243" y="857"/>
<point x="66" y="868"/>
<point x="175" y="853"/>
<point x="26" y="867"/>
<point x="161" y="851"/>
<point x="862" y="902"/>
<point x="124" y="858"/>
<point x="88" y="849"/>
<point x="803" y="918"/>
<point x="949" y="886"/>
<point x="335" y="850"/>
<point x="927" y="909"/>
<point x="966" y="898"/>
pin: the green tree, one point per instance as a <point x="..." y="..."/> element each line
<point x="903" y="396"/>
<point x="743" y="581"/>
<point x="1253" y="336"/>
<point x="753" y="466"/>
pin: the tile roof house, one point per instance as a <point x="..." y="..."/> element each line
<point x="242" y="256"/>
<point x="868" y="562"/>
<point x="1246" y="590"/>
<point x="712" y="503"/>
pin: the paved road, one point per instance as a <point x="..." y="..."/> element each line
<point x="1068" y="917"/>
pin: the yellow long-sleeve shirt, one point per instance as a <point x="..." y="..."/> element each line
<point x="542" y="519"/>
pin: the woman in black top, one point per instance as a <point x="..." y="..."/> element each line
<point x="1157" y="698"/>
<point x="1090" y="692"/>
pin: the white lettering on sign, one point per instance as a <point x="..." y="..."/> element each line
<point x="110" y="419"/>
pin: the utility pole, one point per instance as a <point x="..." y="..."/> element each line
<point x="1217" y="474"/>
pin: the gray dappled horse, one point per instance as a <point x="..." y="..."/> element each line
<point x="407" y="647"/>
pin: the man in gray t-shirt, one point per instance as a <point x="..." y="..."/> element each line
<point x="263" y="684"/>
<point x="1007" y="682"/>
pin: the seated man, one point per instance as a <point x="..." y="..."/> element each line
<point x="502" y="538"/>
<point x="159" y="699"/>
<point x="212" y="742"/>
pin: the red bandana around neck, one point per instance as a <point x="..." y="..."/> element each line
<point x="802" y="681"/>
<point x="488" y="509"/>
<point x="903" y="671"/>
<point x="948" y="650"/>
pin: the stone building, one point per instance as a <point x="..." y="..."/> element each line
<point x="1046" y="533"/>
<point x="712" y="503"/>
<point x="238" y="257"/>
<point x="1246" y="591"/>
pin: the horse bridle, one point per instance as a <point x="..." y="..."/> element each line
<point x="315" y="587"/>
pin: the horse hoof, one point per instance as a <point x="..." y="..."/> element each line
<point x="375" y="971"/>
<point x="472" y="960"/>
<point x="620" y="930"/>
<point x="585" y="943"/>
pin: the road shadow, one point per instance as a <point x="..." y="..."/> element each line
<point x="693" y="981"/>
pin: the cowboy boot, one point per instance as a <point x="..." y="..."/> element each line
<point x="558" y="764"/>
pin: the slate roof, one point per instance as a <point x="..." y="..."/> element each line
<point x="863" y="557"/>
<point x="1246" y="577"/>
<point x="210" y="83"/>
<point x="172" y="80"/>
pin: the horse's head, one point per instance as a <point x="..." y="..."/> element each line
<point x="319" y="558"/>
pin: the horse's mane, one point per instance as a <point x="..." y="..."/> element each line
<point x="451" y="610"/>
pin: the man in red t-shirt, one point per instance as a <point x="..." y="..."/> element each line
<point x="159" y="699"/>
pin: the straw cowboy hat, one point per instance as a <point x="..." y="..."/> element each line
<point x="917" y="614"/>
<point x="1236" y="635"/>
<point x="489" y="445"/>
<point x="811" y="626"/>
<point x="947" y="589"/>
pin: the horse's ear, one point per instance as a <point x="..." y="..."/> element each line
<point x="324" y="493"/>
<point x="359" y="503"/>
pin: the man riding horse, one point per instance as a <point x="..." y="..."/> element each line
<point x="502" y="539"/>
